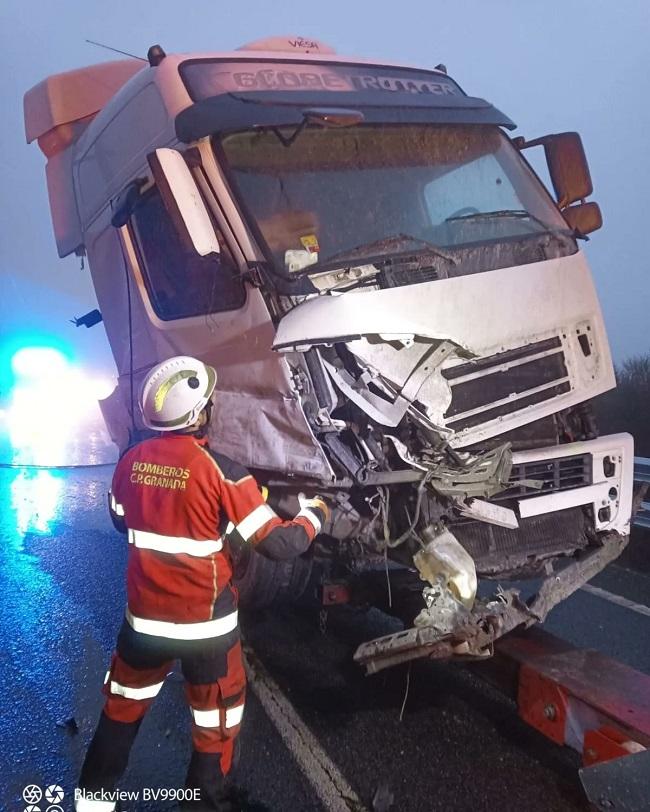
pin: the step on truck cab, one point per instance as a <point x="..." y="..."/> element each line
<point x="400" y="313"/>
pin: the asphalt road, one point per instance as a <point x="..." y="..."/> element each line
<point x="459" y="745"/>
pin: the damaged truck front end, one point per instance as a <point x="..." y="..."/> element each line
<point x="464" y="459"/>
<point x="446" y="339"/>
<point x="399" y="312"/>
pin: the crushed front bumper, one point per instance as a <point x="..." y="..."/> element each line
<point x="608" y="496"/>
<point x="609" y="492"/>
<point x="586" y="487"/>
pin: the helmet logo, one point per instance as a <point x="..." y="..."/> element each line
<point x="165" y="387"/>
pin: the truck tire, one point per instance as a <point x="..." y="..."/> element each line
<point x="262" y="582"/>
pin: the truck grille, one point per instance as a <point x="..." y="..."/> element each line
<point x="559" y="474"/>
<point x="492" y="387"/>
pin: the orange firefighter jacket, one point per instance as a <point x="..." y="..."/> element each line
<point x="176" y="498"/>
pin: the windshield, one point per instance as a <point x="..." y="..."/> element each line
<point x="330" y="196"/>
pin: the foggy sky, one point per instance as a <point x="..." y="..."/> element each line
<point x="551" y="66"/>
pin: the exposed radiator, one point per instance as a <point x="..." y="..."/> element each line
<point x="520" y="553"/>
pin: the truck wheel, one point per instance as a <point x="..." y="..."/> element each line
<point x="262" y="582"/>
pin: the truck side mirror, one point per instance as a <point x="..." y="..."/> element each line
<point x="567" y="166"/>
<point x="583" y="218"/>
<point x="183" y="201"/>
<point x="569" y="171"/>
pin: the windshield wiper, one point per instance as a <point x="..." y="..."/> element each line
<point x="394" y="241"/>
<point x="517" y="214"/>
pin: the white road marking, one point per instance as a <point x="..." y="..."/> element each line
<point x="628" y="571"/>
<point x="321" y="772"/>
<point x="619" y="600"/>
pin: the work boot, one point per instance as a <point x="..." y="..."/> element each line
<point x="217" y="794"/>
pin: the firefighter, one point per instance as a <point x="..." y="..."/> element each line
<point x="175" y="498"/>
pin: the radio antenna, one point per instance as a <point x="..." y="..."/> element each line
<point x="117" y="50"/>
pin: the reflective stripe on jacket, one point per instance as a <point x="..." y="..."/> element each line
<point x="174" y="497"/>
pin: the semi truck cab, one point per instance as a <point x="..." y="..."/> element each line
<point x="399" y="311"/>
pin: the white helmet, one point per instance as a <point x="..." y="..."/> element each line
<point x="175" y="392"/>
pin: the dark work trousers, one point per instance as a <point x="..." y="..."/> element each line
<point x="215" y="685"/>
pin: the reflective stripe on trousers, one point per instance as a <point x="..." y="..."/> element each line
<point x="146" y="692"/>
<point x="211" y="718"/>
<point x="183" y="631"/>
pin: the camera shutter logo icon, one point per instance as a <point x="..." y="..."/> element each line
<point x="32" y="794"/>
<point x="54" y="794"/>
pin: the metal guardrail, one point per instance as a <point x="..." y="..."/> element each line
<point x="642" y="474"/>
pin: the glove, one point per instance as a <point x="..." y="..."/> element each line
<point x="315" y="503"/>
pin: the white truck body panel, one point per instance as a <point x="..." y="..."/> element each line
<point x="482" y="315"/>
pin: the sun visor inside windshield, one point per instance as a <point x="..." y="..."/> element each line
<point x="238" y="95"/>
<point x="230" y="112"/>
